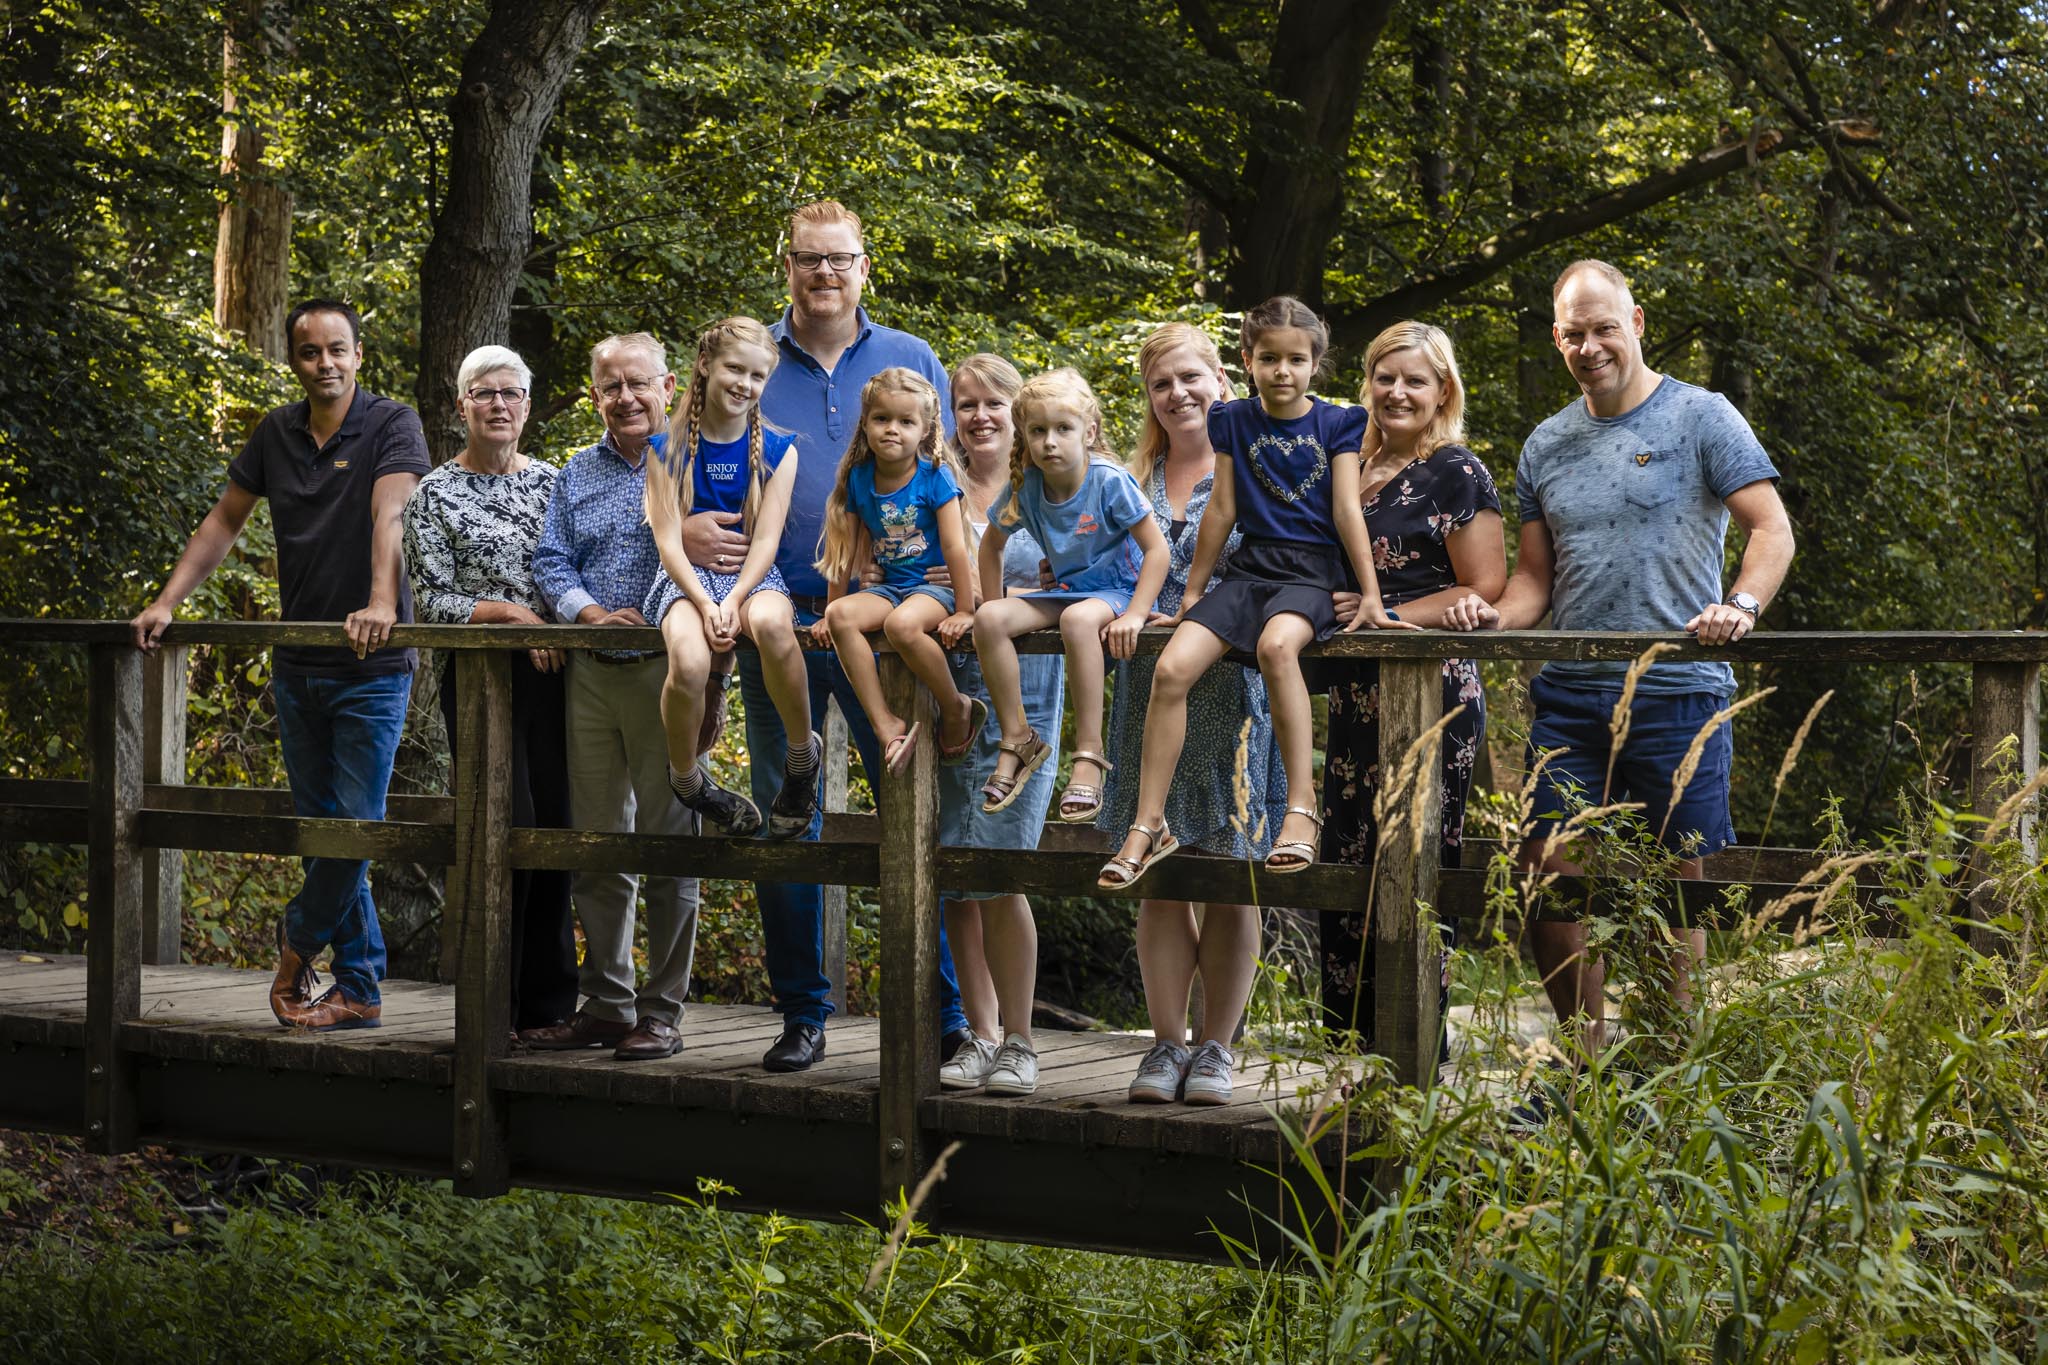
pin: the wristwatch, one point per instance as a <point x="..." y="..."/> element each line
<point x="1742" y="601"/>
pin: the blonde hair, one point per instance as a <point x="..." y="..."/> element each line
<point x="1062" y="386"/>
<point x="679" y="459"/>
<point x="993" y="373"/>
<point x="824" y="213"/>
<point x="843" y="526"/>
<point x="1164" y="341"/>
<point x="1448" y="425"/>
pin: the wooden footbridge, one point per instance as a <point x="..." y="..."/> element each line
<point x="126" y="1045"/>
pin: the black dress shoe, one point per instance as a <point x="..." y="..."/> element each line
<point x="950" y="1043"/>
<point x="801" y="1043"/>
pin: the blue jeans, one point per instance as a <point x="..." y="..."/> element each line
<point x="339" y="737"/>
<point x="792" y="914"/>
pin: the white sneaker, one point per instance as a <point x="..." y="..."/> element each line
<point x="969" y="1067"/>
<point x="1015" y="1070"/>
<point x="1160" y="1074"/>
<point x="1209" y="1070"/>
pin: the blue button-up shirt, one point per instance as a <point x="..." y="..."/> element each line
<point x="595" y="545"/>
<point x="821" y="408"/>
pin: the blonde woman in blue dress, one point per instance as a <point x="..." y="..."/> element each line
<point x="1182" y="373"/>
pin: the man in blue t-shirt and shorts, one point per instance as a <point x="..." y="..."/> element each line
<point x="1626" y="497"/>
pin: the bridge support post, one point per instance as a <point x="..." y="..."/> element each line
<point x="910" y="939"/>
<point x="2005" y="701"/>
<point x="835" y="896"/>
<point x="1407" y="972"/>
<point x="480" y="907"/>
<point x="114" y="905"/>
<point x="164" y="675"/>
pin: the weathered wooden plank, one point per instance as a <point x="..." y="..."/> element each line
<point x="2005" y="704"/>
<point x="836" y="778"/>
<point x="164" y="675"/>
<point x="296" y="836"/>
<point x="1409" y="806"/>
<point x="43" y="825"/>
<point x="697" y="856"/>
<point x="480" y="901"/>
<point x="910" y="941"/>
<point x="113" y="893"/>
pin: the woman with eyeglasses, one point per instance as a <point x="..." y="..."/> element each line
<point x="470" y="529"/>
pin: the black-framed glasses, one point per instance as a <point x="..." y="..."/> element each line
<point x="638" y="386"/>
<point x="483" y="398"/>
<point x="841" y="261"/>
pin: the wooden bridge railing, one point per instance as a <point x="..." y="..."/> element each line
<point x="136" y="814"/>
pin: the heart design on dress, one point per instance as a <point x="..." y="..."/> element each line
<point x="1279" y="448"/>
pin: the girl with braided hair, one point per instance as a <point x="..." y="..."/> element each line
<point x="721" y="457"/>
<point x="1108" y="561"/>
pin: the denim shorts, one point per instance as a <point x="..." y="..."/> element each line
<point x="898" y="596"/>
<point x="1661" y="730"/>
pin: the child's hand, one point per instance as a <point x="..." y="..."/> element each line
<point x="955" y="628"/>
<point x="1373" y="612"/>
<point x="1121" y="635"/>
<point x="720" y="625"/>
<point x="820" y="633"/>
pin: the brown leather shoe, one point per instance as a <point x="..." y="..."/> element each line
<point x="291" y="990"/>
<point x="650" y="1040"/>
<point x="336" y="1010"/>
<point x="581" y="1031"/>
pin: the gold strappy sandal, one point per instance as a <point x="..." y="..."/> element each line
<point x="1121" y="872"/>
<point x="999" y="791"/>
<point x="1081" y="802"/>
<point x="1298" y="853"/>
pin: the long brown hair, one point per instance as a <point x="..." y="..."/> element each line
<point x="679" y="460"/>
<point x="1062" y="386"/>
<point x="842" y="525"/>
<point x="1165" y="340"/>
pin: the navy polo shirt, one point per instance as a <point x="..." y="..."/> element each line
<point x="822" y="409"/>
<point x="320" y="508"/>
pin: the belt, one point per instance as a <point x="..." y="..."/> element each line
<point x="616" y="659"/>
<point x="814" y="605"/>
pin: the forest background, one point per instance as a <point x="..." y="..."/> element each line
<point x="1832" y="215"/>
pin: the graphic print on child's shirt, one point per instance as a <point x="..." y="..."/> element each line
<point x="902" y="538"/>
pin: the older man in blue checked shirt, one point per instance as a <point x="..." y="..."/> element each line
<point x="594" y="563"/>
<point x="830" y="349"/>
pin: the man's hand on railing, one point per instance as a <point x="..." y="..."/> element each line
<point x="594" y="615"/>
<point x="149" y="626"/>
<point x="1721" y="624"/>
<point x="369" y="627"/>
<point x="1471" y="612"/>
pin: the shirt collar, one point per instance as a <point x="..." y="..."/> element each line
<point x="610" y="447"/>
<point x="301" y="414"/>
<point x="779" y="329"/>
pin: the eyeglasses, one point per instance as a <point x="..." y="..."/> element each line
<point x="483" y="398"/>
<point x="640" y="388"/>
<point x="841" y="261"/>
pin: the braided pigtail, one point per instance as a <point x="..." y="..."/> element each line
<point x="757" y="466"/>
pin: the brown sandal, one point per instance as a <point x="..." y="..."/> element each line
<point x="998" y="792"/>
<point x="1081" y="802"/>
<point x="1120" y="873"/>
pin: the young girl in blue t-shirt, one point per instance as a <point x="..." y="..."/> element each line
<point x="1287" y="475"/>
<point x="897" y="501"/>
<point x="720" y="457"/>
<point x="1108" y="561"/>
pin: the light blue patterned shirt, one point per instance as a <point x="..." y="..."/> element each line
<point x="595" y="546"/>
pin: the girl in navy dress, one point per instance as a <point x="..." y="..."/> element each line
<point x="1108" y="562"/>
<point x="1287" y="477"/>
<point x="897" y="502"/>
<point x="721" y="457"/>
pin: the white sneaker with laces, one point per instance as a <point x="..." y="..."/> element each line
<point x="969" y="1067"/>
<point x="1015" y="1070"/>
<point x="1209" y="1071"/>
<point x="1160" y="1074"/>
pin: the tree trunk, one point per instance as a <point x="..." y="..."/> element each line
<point x="512" y="78"/>
<point x="252" y="251"/>
<point x="1432" y="104"/>
<point x="1293" y="183"/>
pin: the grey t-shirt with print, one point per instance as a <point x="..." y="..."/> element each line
<point x="1637" y="514"/>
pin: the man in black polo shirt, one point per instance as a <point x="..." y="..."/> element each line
<point x="337" y="469"/>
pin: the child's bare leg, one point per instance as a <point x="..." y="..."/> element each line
<point x="1182" y="663"/>
<point x="1280" y="646"/>
<point x="996" y="627"/>
<point x="768" y="619"/>
<point x="849" y="619"/>
<point x="1081" y="633"/>
<point x="682" y="693"/>
<point x="909" y="629"/>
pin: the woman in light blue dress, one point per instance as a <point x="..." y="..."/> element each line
<point x="1227" y="795"/>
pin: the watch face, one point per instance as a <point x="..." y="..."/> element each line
<point x="1742" y="601"/>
